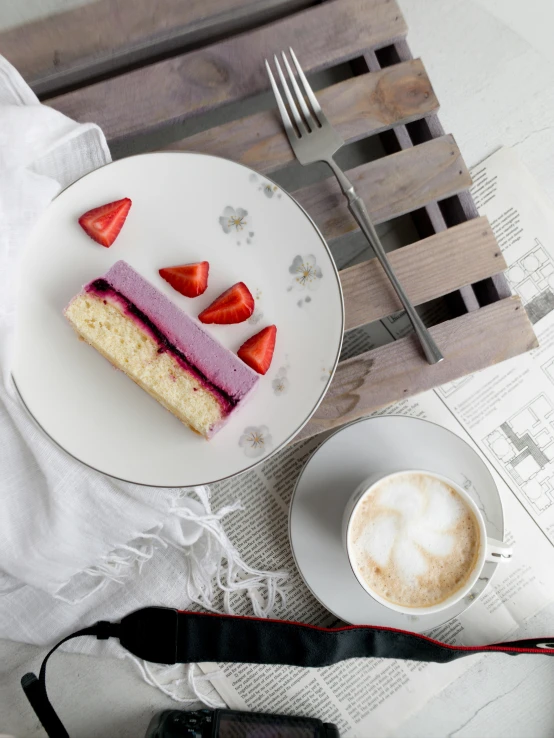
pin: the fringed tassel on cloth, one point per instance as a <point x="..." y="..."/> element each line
<point x="118" y="566"/>
<point x="211" y="566"/>
<point x="181" y="682"/>
<point x="215" y="554"/>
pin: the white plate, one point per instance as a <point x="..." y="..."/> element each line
<point x="331" y="475"/>
<point x="182" y="205"/>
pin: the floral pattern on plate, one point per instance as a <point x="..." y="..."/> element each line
<point x="264" y="185"/>
<point x="306" y="272"/>
<point x="306" y="276"/>
<point x="237" y="222"/>
<point x="281" y="383"/>
<point x="258" y="314"/>
<point x="256" y="440"/>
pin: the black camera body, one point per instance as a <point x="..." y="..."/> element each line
<point x="236" y="724"/>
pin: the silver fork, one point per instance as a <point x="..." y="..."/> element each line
<point x="313" y="139"/>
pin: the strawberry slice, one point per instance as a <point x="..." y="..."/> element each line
<point x="190" y="280"/>
<point x="104" y="223"/>
<point x="233" y="306"/>
<point x="257" y="352"/>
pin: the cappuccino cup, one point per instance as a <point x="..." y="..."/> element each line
<point x="416" y="541"/>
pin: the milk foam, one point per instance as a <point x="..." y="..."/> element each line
<point x="413" y="540"/>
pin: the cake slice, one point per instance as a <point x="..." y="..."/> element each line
<point x="140" y="331"/>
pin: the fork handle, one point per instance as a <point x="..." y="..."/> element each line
<point x="359" y="211"/>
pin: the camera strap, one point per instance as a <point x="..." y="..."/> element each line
<point x="167" y="636"/>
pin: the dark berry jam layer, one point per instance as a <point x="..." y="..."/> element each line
<point x="102" y="287"/>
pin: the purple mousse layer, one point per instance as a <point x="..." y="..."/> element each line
<point x="216" y="364"/>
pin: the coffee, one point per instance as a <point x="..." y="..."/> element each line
<point x="413" y="540"/>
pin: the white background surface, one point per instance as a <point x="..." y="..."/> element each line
<point x="491" y="64"/>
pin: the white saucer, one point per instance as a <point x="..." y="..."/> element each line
<point x="337" y="467"/>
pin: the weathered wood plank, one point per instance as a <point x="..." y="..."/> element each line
<point x="390" y="187"/>
<point x="358" y="107"/>
<point x="426" y="269"/>
<point x="85" y="42"/>
<point x="178" y="88"/>
<point x="434" y="220"/>
<point x="382" y="376"/>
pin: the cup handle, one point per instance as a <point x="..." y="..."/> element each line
<point x="498" y="552"/>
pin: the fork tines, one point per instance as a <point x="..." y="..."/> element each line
<point x="307" y="118"/>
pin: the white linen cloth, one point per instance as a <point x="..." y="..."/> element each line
<point x="76" y="546"/>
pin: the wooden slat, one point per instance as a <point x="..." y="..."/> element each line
<point x="176" y="89"/>
<point x="390" y="187"/>
<point x="426" y="269"/>
<point x="358" y="107"/>
<point x="434" y="220"/>
<point x="104" y="36"/>
<point x="377" y="378"/>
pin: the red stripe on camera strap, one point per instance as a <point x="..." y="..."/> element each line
<point x="535" y="645"/>
<point x="167" y="636"/>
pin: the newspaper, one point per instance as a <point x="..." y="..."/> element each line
<point x="507" y="414"/>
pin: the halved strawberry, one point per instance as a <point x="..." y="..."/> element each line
<point x="257" y="352"/>
<point x="190" y="280"/>
<point x="104" y="223"/>
<point x="233" y="306"/>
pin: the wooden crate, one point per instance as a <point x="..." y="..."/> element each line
<point x="137" y="67"/>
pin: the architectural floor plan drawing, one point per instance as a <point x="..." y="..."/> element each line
<point x="548" y="369"/>
<point x="524" y="445"/>
<point x="450" y="387"/>
<point x="532" y="277"/>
